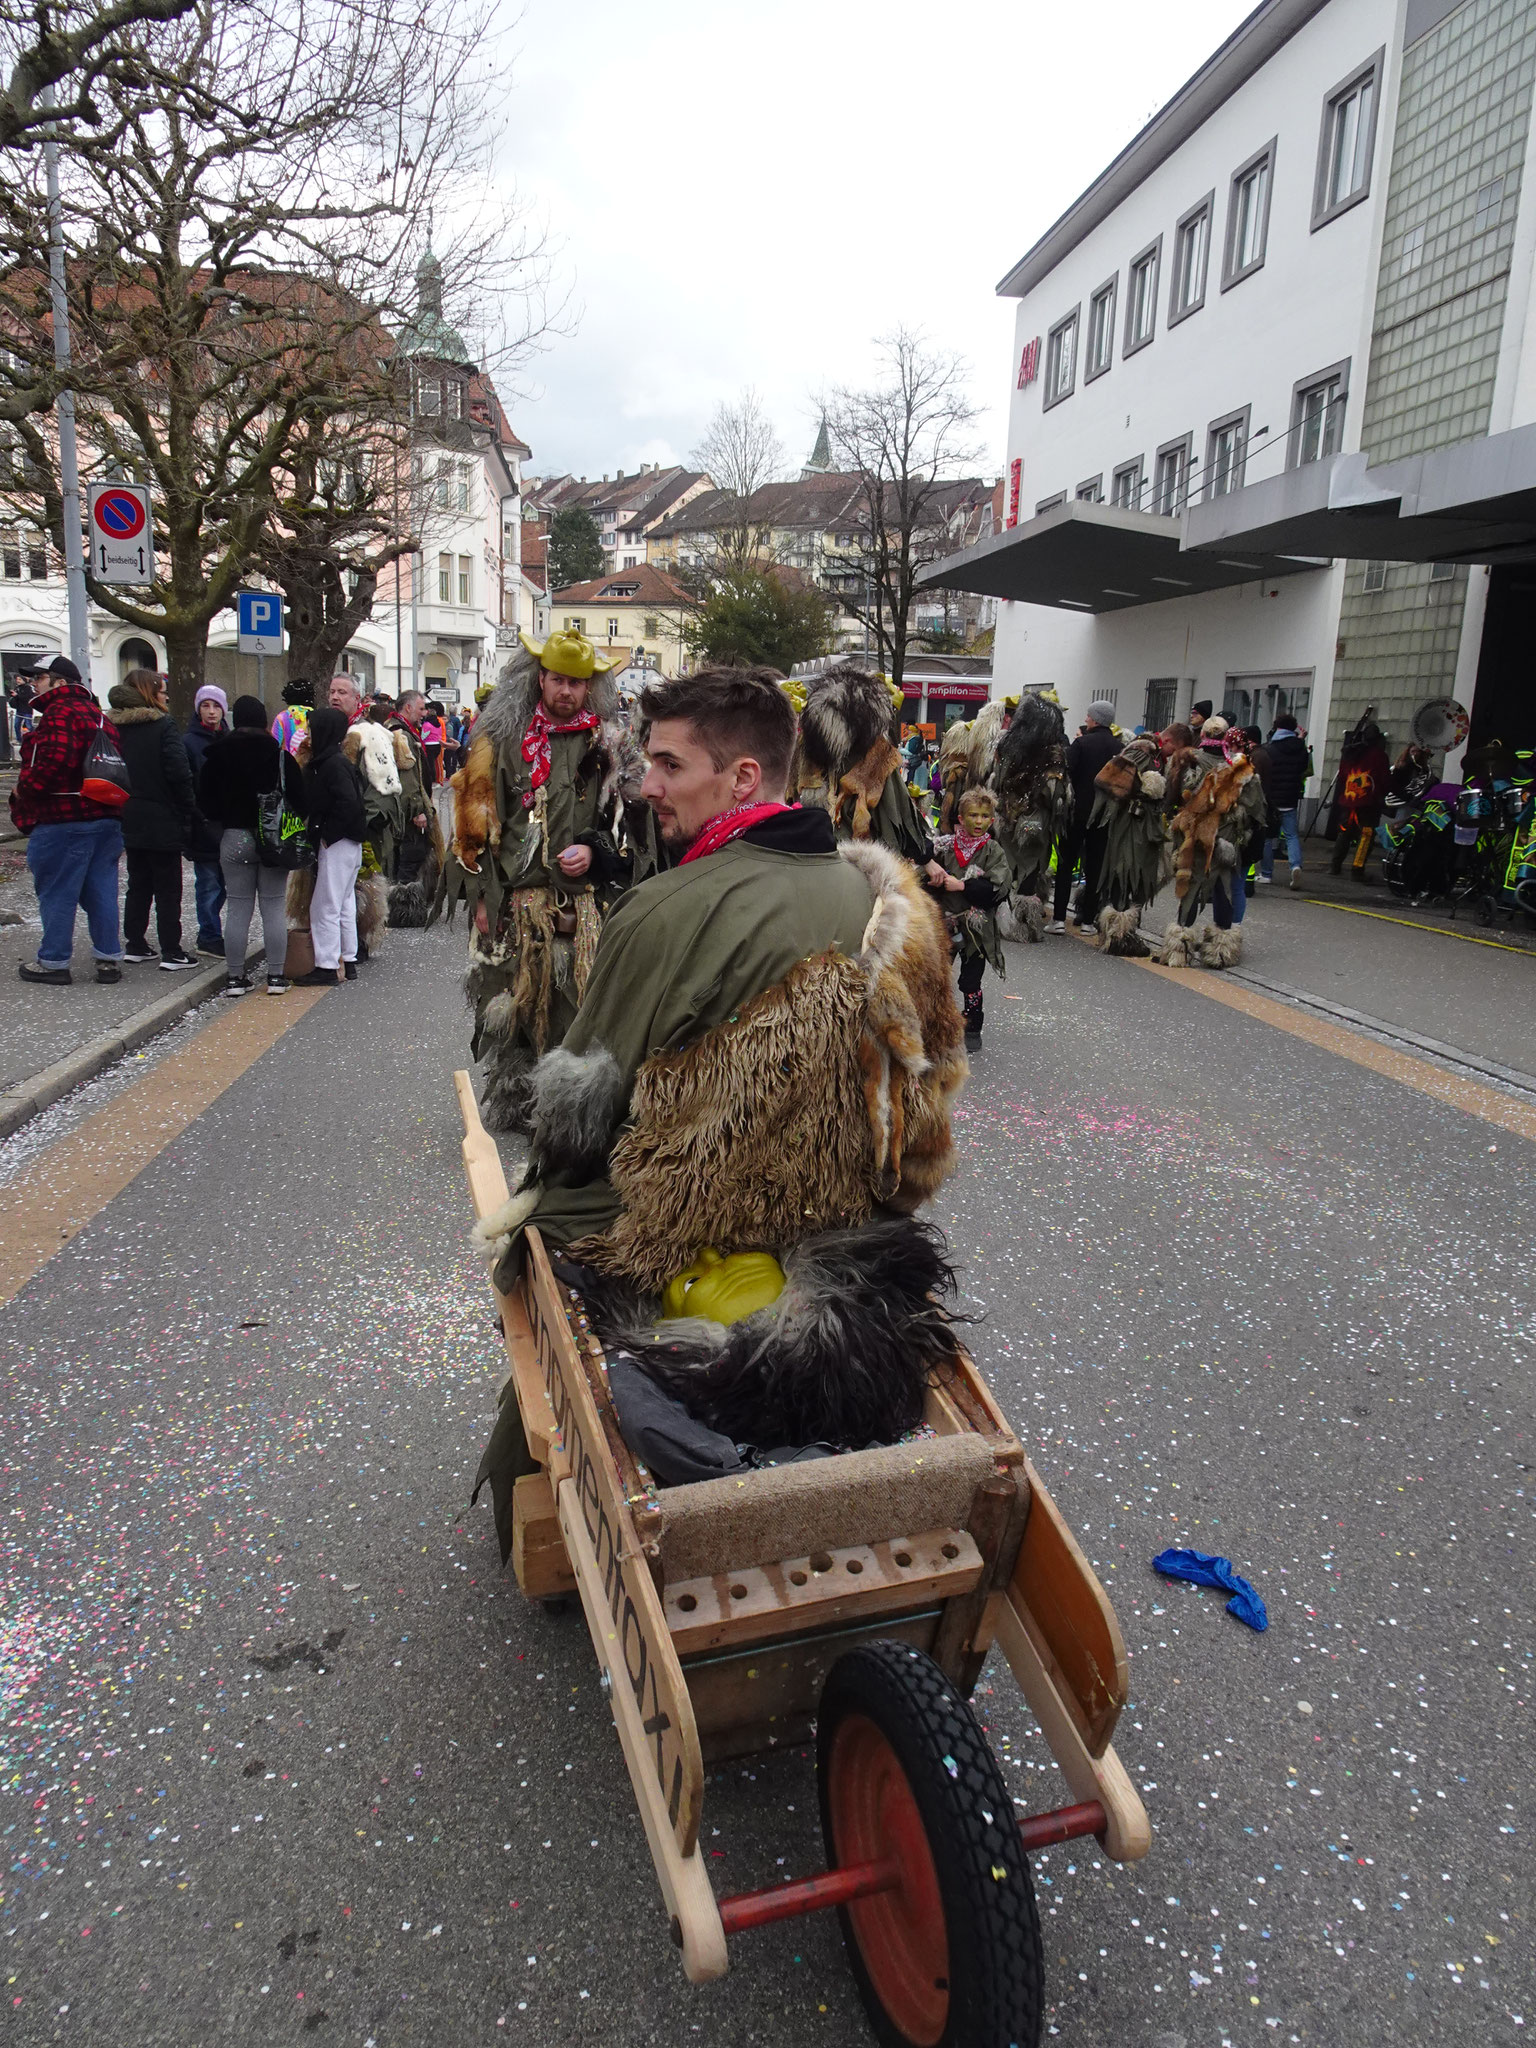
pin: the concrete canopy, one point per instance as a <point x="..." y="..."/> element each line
<point x="1086" y="557"/>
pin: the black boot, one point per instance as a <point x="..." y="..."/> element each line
<point x="973" y="1019"/>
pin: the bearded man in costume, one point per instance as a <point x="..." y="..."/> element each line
<point x="535" y="856"/>
<point x="764" y="1061"/>
<point x="1034" y="801"/>
<point x="848" y="763"/>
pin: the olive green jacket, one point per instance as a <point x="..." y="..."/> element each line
<point x="575" y="808"/>
<point x="977" y="929"/>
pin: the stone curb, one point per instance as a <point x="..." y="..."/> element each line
<point x="30" y="1098"/>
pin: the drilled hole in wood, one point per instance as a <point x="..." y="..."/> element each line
<point x="687" y="1602"/>
<point x="951" y="1550"/>
<point x="798" y="1578"/>
<point x="903" y="1558"/>
<point x="821" y="1562"/>
<point x="855" y="1564"/>
<point x="738" y="1592"/>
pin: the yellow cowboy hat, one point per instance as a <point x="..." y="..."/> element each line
<point x="568" y="654"/>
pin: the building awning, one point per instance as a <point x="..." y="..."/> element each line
<point x="1473" y="502"/>
<point x="1086" y="557"/>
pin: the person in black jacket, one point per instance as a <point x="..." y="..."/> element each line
<point x="239" y="767"/>
<point x="1290" y="763"/>
<point x="210" y="721"/>
<point x="333" y="794"/>
<point x="157" y="817"/>
<point x="1094" y="745"/>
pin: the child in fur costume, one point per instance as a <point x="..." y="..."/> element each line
<point x="968" y="863"/>
<point x="1129" y="807"/>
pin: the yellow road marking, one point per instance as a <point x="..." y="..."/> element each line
<point x="74" y="1180"/>
<point x="1385" y="917"/>
<point x="1489" y="1105"/>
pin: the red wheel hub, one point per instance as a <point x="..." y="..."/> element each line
<point x="901" y="1933"/>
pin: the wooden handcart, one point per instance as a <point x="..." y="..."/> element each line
<point x="858" y="1595"/>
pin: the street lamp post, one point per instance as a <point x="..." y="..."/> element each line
<point x="69" y="461"/>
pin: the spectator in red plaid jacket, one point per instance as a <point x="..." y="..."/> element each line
<point x="73" y="845"/>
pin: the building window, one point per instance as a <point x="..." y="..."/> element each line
<point x="1170" y="478"/>
<point x="1141" y="298"/>
<point x="652" y="629"/>
<point x="1226" y="452"/>
<point x="1490" y="201"/>
<point x="464" y="569"/>
<point x="1125" y="490"/>
<point x="1061" y="360"/>
<point x="1248" y="216"/>
<point x="454" y="394"/>
<point x="1375" y="577"/>
<point x="1346" y="144"/>
<point x="1101" y="331"/>
<point x="444" y="485"/>
<point x="445" y="579"/>
<point x="463" y="488"/>
<point x="613" y="629"/>
<point x="1191" y="255"/>
<point x="1413" y="249"/>
<point x="1441" y="572"/>
<point x="1317" y="415"/>
<point x="429" y="398"/>
<point x="1050" y="504"/>
<point x="1162" y="695"/>
<point x="1091" y="489"/>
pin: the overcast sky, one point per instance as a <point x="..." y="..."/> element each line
<point x="749" y="195"/>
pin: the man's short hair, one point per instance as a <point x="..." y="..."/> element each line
<point x="735" y="712"/>
<point x="1285" y="721"/>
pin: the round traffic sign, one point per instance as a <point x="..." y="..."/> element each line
<point x="119" y="514"/>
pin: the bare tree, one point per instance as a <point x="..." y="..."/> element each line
<point x="741" y="453"/>
<point x="906" y="438"/>
<point x="239" y="262"/>
<point x="43" y="46"/>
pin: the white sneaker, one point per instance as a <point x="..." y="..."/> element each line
<point x="1295" y="878"/>
<point x="1266" y="880"/>
<point x="1056" y="925"/>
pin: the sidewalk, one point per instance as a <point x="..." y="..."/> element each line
<point x="52" y="1039"/>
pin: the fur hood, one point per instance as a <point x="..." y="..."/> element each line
<point x="847" y="712"/>
<point x="136" y="714"/>
<point x="374" y="752"/>
<point x="509" y="707"/>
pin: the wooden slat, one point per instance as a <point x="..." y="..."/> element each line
<point x="623" y="1608"/>
<point x="1067" y="1611"/>
<point x="732" y="1610"/>
<point x="538" y="1548"/>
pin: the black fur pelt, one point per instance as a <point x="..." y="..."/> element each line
<point x="411" y="902"/>
<point x="843" y="1356"/>
<point x="846" y="711"/>
<point x="1034" y="744"/>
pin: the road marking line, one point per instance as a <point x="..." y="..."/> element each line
<point x="1412" y="925"/>
<point x="75" y="1179"/>
<point x="1489" y="1105"/>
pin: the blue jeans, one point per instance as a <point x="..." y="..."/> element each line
<point x="76" y="866"/>
<point x="1229" y="899"/>
<point x="208" y="887"/>
<point x="1292" y="846"/>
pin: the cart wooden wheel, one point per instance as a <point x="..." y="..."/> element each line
<point x="949" y="1956"/>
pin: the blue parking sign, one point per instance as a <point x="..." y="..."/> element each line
<point x="261" y="621"/>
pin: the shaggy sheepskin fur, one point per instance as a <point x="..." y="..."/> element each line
<point x="1022" y="917"/>
<point x="372" y="898"/>
<point x="1178" y="947"/>
<point x="578" y="1098"/>
<point x="1119" y="932"/>
<point x="410" y="903"/>
<point x="843" y="1357"/>
<point x="371" y="750"/>
<point x="1219" y="948"/>
<point x="986" y="737"/>
<point x="846" y="711"/>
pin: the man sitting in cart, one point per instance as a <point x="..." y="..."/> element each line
<point x="768" y="1046"/>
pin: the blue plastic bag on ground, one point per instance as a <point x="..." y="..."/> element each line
<point x="1201" y="1569"/>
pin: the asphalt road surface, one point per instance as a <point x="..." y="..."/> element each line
<point x="285" y="1754"/>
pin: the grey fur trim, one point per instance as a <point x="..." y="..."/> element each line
<point x="509" y="707"/>
<point x="846" y="710"/>
<point x="1219" y="948"/>
<point x="507" y="1086"/>
<point x="1119" y="932"/>
<point x="578" y="1099"/>
<point x="1177" y="944"/>
<point x="891" y="913"/>
<point x="1028" y="917"/>
<point x="493" y="1234"/>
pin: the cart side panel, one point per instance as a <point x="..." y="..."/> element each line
<point x="1067" y="1612"/>
<point x="624" y="1613"/>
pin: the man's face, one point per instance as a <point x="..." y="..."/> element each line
<point x="684" y="787"/>
<point x="564" y="696"/>
<point x="343" y="696"/>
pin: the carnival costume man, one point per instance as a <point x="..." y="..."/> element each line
<point x="535" y="856"/>
<point x="969" y="874"/>
<point x="1034" y="801"/>
<point x="1214" y="804"/>
<point x="1128" y="807"/>
<point x="411" y="852"/>
<point x="764" y="1062"/>
<point x="848" y="764"/>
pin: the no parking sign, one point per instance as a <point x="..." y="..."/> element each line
<point x="122" y="539"/>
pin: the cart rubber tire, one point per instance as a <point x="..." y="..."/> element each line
<point x="950" y="1958"/>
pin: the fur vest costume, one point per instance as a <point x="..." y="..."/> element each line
<point x="1196" y="825"/>
<point x="826" y="1095"/>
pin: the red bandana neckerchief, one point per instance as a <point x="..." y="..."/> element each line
<point x="966" y="844"/>
<point x="536" y="750"/>
<point x="730" y="825"/>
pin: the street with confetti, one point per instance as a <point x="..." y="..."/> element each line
<point x="286" y="1752"/>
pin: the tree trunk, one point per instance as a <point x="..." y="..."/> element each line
<point x="186" y="656"/>
<point x="320" y="623"/>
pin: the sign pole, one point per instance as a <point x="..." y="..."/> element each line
<point x="261" y="690"/>
<point x="69" y="463"/>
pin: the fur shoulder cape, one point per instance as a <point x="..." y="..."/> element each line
<point x="1197" y="822"/>
<point x="846" y="753"/>
<point x="826" y="1095"/>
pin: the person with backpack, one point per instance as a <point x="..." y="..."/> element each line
<point x="241" y="767"/>
<point x="333" y="797"/>
<point x="1289" y="765"/>
<point x="74" y="841"/>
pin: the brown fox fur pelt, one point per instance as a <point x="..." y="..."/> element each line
<point x="1197" y="822"/>
<point x="826" y="1095"/>
<point x="475" y="823"/>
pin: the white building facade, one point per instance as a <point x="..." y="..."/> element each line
<point x="1312" y="268"/>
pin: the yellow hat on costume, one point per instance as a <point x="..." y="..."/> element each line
<point x="1048" y="694"/>
<point x="568" y="654"/>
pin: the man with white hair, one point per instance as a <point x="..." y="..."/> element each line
<point x="344" y="696"/>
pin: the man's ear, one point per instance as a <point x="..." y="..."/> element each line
<point x="747" y="782"/>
